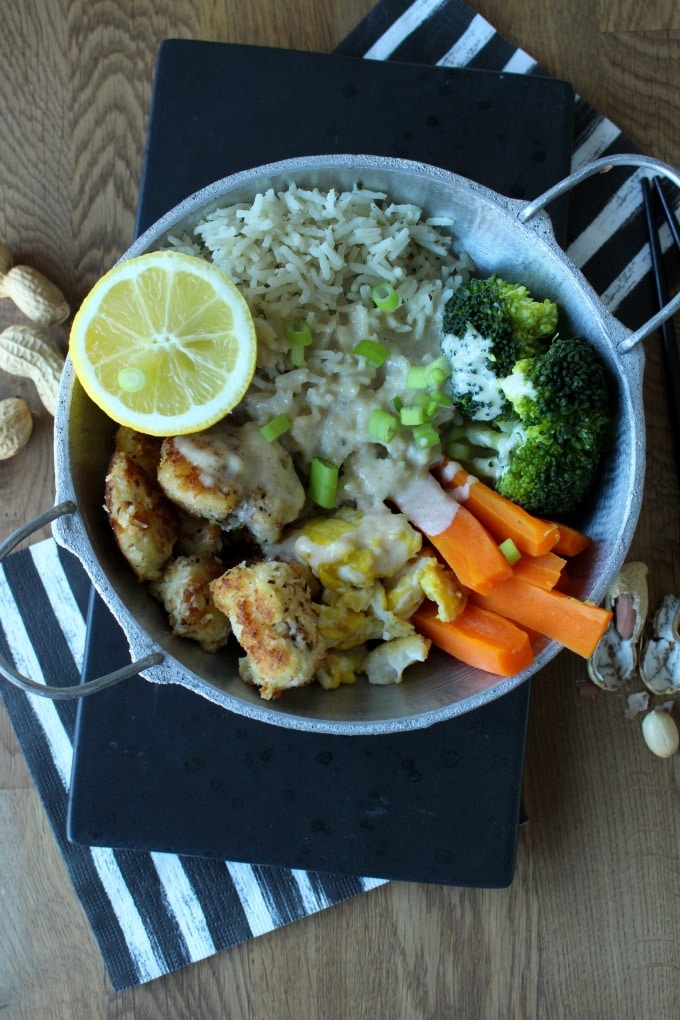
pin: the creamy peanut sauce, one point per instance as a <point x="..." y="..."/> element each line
<point x="422" y="499"/>
<point x="461" y="493"/>
<point x="470" y="357"/>
<point x="314" y="256"/>
<point x="387" y="538"/>
<point x="330" y="401"/>
<point x="241" y="460"/>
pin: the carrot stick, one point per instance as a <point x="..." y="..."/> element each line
<point x="571" y="542"/>
<point x="472" y="553"/>
<point x="545" y="570"/>
<point x="479" y="638"/>
<point x="575" y="625"/>
<point x="462" y="540"/>
<point x="503" y="518"/>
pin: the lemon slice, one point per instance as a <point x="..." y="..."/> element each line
<point x="164" y="343"/>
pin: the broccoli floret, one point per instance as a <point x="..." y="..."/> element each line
<point x="531" y="320"/>
<point x="488" y="325"/>
<point x="551" y="472"/>
<point x="479" y="305"/>
<point x="545" y="459"/>
<point x="535" y="406"/>
<point x="566" y="380"/>
<point x="544" y="467"/>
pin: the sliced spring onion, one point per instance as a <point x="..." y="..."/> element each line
<point x="275" y="428"/>
<point x="415" y="378"/>
<point x="421" y="400"/>
<point x="382" y="425"/>
<point x="510" y="551"/>
<point x="323" y="482"/>
<point x="131" y="379"/>
<point x="437" y="371"/>
<point x="425" y="435"/>
<point x="297" y="355"/>
<point x="442" y="399"/>
<point x="412" y="415"/>
<point x="384" y="296"/>
<point x="298" y="333"/>
<point x="374" y="352"/>
<point x="398" y="403"/>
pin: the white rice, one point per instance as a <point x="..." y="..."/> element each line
<point x="312" y="255"/>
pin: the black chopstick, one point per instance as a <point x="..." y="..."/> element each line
<point x="668" y="212"/>
<point x="670" y="346"/>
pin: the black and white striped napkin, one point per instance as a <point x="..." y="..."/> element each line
<point x="151" y="913"/>
<point x="154" y="912"/>
<point x="606" y="235"/>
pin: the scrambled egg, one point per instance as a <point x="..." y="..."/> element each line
<point x="341" y="667"/>
<point x="352" y="616"/>
<point x="425" y="576"/>
<point x="354" y="548"/>
<point x="386" y="663"/>
<point x="374" y="576"/>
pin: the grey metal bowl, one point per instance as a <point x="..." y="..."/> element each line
<point x="502" y="235"/>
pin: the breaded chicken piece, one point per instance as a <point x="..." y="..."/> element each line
<point x="143" y="521"/>
<point x="232" y="475"/>
<point x="274" y="620"/>
<point x="144" y="450"/>
<point x="184" y="590"/>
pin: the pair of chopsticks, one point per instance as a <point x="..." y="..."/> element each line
<point x="669" y="342"/>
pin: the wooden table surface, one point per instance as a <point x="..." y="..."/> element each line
<point x="590" y="927"/>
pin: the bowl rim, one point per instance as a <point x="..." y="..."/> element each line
<point x="70" y="531"/>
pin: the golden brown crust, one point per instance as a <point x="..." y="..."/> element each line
<point x="232" y="476"/>
<point x="144" y="450"/>
<point x="184" y="484"/>
<point x="184" y="590"/>
<point x="143" y="522"/>
<point x="274" y="620"/>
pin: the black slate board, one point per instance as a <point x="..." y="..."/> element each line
<point x="218" y="108"/>
<point x="158" y="768"/>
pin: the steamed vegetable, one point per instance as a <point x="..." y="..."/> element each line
<point x="471" y="552"/>
<point x="501" y="516"/>
<point x="546" y="571"/>
<point x="571" y="541"/>
<point x="546" y="467"/>
<point x="487" y="326"/>
<point x="535" y="406"/>
<point x="479" y="638"/>
<point x="575" y="625"/>
<point x="459" y="537"/>
<point x="562" y="378"/>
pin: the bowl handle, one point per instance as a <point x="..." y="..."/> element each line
<point x="79" y="690"/>
<point x="601" y="166"/>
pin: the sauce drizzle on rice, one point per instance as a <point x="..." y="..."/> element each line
<point x="315" y="256"/>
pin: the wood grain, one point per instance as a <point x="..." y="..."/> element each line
<point x="589" y="927"/>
